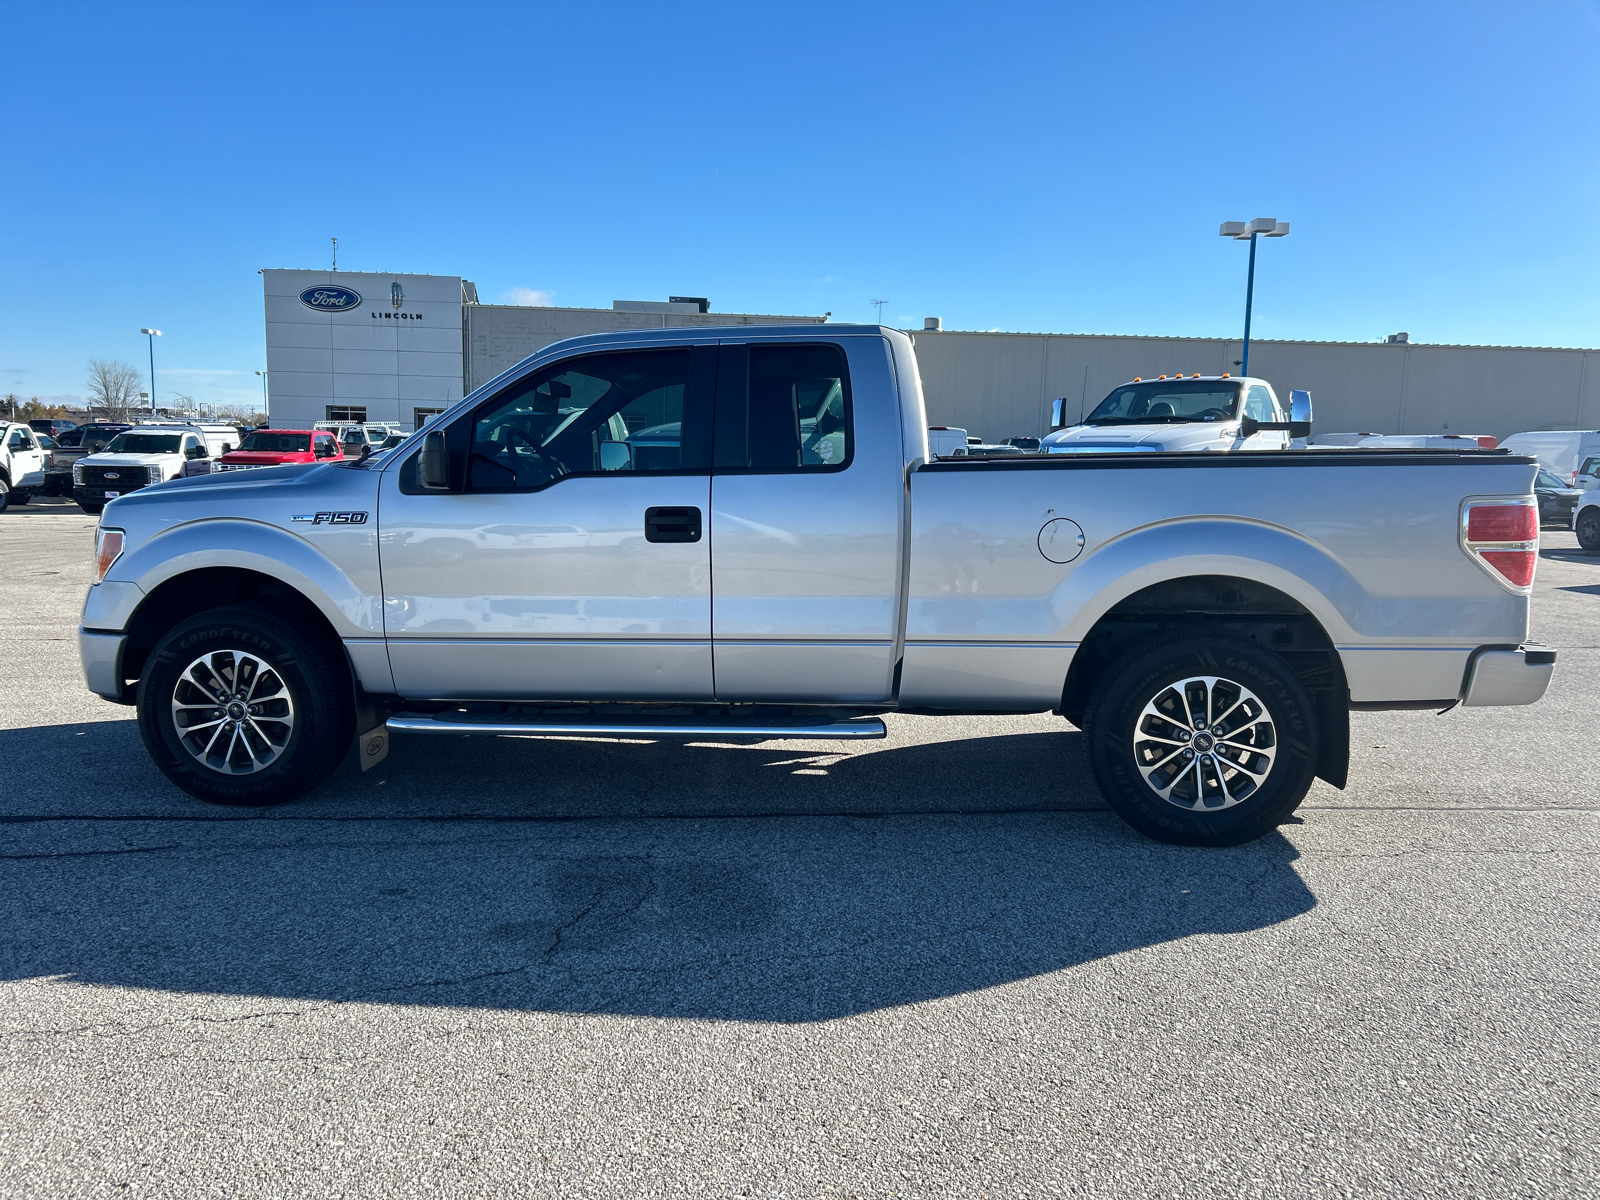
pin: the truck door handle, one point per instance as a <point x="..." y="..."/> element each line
<point x="672" y="524"/>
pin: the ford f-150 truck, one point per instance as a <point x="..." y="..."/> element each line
<point x="739" y="533"/>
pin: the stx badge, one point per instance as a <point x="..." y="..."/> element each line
<point x="332" y="518"/>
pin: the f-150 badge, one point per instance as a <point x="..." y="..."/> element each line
<point x="332" y="518"/>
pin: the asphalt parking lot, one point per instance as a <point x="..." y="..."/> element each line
<point x="931" y="966"/>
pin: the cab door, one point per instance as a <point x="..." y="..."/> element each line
<point x="27" y="458"/>
<point x="569" y="560"/>
<point x="807" y="503"/>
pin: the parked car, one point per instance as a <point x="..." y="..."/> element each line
<point x="139" y="458"/>
<point x="359" y="439"/>
<point x="1559" y="451"/>
<point x="1586" y="519"/>
<point x="51" y="425"/>
<point x="278" y="447"/>
<point x="1023" y="443"/>
<point x="1558" y="503"/>
<point x="21" y="464"/>
<point x="1588" y="474"/>
<point x="1185" y="413"/>
<point x="70" y="447"/>
<point x="1207" y="619"/>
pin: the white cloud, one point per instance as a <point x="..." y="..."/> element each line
<point x="522" y="295"/>
<point x="830" y="279"/>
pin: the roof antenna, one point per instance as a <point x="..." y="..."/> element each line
<point x="335" y="242"/>
<point x="880" y="304"/>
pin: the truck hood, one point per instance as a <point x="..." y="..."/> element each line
<point x="127" y="460"/>
<point x="267" y="458"/>
<point x="1178" y="436"/>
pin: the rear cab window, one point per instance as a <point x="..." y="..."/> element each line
<point x="783" y="408"/>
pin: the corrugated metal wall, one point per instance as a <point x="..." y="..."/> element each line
<point x="1000" y="385"/>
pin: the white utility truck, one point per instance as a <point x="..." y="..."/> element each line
<point x="147" y="454"/>
<point x="1185" y="412"/>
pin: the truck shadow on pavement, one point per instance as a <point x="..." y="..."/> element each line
<point x="743" y="883"/>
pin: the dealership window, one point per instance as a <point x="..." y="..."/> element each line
<point x="344" y="412"/>
<point x="599" y="414"/>
<point x="419" y="416"/>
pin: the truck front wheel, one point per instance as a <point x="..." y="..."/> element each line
<point x="1587" y="528"/>
<point x="1202" y="739"/>
<point x="246" y="706"/>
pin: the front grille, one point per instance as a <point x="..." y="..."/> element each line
<point x="116" y="478"/>
<point x="222" y="466"/>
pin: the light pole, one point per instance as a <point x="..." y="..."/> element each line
<point x="1239" y="231"/>
<point x="266" y="413"/>
<point x="153" y="335"/>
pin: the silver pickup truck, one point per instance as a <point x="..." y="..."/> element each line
<point x="740" y="533"/>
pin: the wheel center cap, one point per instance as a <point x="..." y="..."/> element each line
<point x="235" y="711"/>
<point x="1203" y="742"/>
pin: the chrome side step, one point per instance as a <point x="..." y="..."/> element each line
<point x="511" y="723"/>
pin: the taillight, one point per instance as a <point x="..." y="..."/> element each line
<point x="1487" y="443"/>
<point x="1503" y="535"/>
<point x="107" y="549"/>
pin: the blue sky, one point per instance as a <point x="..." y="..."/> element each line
<point x="1016" y="167"/>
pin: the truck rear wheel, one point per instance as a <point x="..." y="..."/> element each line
<point x="1202" y="739"/>
<point x="245" y="706"/>
<point x="5" y="494"/>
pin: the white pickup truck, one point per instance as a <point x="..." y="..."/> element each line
<point x="147" y="454"/>
<point x="21" y="464"/>
<point x="1185" y="412"/>
<point x="739" y="533"/>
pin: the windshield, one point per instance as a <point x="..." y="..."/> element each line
<point x="278" y="443"/>
<point x="1164" y="401"/>
<point x="144" y="443"/>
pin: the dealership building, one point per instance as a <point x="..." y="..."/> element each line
<point x="366" y="346"/>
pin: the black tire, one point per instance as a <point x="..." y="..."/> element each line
<point x="310" y="670"/>
<point x="1587" y="527"/>
<point x="21" y="497"/>
<point x="1206" y="809"/>
<point x="92" y="509"/>
<point x="5" y="494"/>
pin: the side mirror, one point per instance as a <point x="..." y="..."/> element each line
<point x="616" y="456"/>
<point x="194" y="452"/>
<point x="433" y="464"/>
<point x="1058" y="414"/>
<point x="1297" y="426"/>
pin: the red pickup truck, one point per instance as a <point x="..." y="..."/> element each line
<point x="278" y="447"/>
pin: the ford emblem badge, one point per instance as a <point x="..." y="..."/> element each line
<point x="112" y="475"/>
<point x="330" y="297"/>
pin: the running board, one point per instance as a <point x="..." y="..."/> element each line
<point x="460" y="723"/>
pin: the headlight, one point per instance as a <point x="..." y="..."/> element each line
<point x="107" y="549"/>
<point x="155" y="474"/>
<point x="77" y="472"/>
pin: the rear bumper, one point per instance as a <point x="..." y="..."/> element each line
<point x="101" y="656"/>
<point x="1507" y="677"/>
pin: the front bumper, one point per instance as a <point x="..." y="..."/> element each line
<point x="95" y="493"/>
<point x="1507" y="677"/>
<point x="101" y="656"/>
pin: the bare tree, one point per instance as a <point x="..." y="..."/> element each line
<point x="113" y="388"/>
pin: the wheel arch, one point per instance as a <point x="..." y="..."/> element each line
<point x="1245" y="607"/>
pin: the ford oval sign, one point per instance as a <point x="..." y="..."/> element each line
<point x="330" y="297"/>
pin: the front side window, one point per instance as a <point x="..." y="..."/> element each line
<point x="594" y="415"/>
<point x="1258" y="404"/>
<point x="20" y="440"/>
<point x="1591" y="466"/>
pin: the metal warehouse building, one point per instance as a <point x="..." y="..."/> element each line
<point x="396" y="348"/>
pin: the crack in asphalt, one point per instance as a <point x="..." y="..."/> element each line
<point x="90" y="853"/>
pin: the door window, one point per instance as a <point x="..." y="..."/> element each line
<point x="792" y="412"/>
<point x="1258" y="404"/>
<point x="596" y="415"/>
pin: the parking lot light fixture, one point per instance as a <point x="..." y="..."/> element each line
<point x="1239" y="231"/>
<point x="152" y="334"/>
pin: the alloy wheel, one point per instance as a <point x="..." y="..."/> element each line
<point x="1204" y="743"/>
<point x="233" y="712"/>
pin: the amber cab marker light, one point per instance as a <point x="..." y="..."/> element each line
<point x="107" y="549"/>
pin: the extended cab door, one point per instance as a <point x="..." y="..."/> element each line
<point x="807" y="502"/>
<point x="569" y="559"/>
